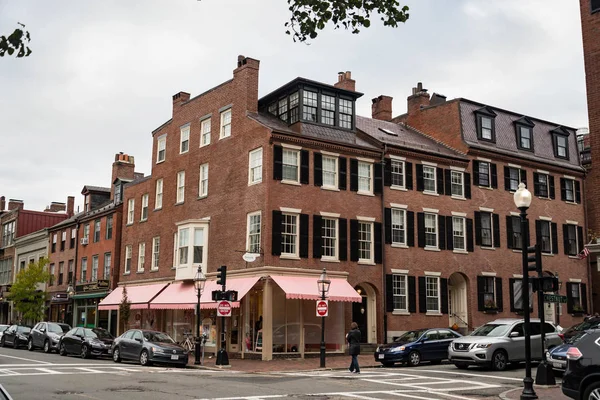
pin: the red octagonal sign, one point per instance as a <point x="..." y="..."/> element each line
<point x="322" y="308"/>
<point x="224" y="308"/>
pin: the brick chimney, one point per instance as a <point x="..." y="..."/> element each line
<point x="56" y="207"/>
<point x="2" y="203"/>
<point x="179" y="99"/>
<point x="382" y="108"/>
<point x="418" y="99"/>
<point x="245" y="82"/>
<point x="345" y="81"/>
<point x="124" y="168"/>
<point x="70" y="206"/>
<point x="14" y="204"/>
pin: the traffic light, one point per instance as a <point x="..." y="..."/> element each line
<point x="232" y="295"/>
<point x="222" y="276"/>
<point x="534" y="262"/>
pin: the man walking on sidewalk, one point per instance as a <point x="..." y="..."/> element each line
<point x="353" y="338"/>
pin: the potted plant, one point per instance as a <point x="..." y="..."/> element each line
<point x="490" y="306"/>
<point x="577" y="309"/>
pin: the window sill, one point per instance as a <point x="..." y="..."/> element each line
<point x="366" y="262"/>
<point x="548" y="254"/>
<point x="431" y="193"/>
<point x="179" y="203"/>
<point x="431" y="249"/>
<point x="289" y="257"/>
<point x="485" y="187"/>
<point x="129" y="224"/>
<point x="400" y="312"/>
<point x="433" y="314"/>
<point x="517" y="251"/>
<point x="126" y="273"/>
<point x="139" y="271"/>
<point x="460" y="252"/>
<point x="487" y="248"/>
<point x="204" y="145"/>
<point x="254" y="183"/>
<point x="574" y="257"/>
<point x="160" y="162"/>
<point x="173" y="268"/>
<point x="572" y="203"/>
<point x="201" y="197"/>
<point x="330" y="260"/>
<point x="293" y="183"/>
<point x="154" y="270"/>
<point x="544" y="198"/>
<point x="402" y="188"/>
<point x="224" y="137"/>
<point x="399" y="246"/>
<point x="330" y="188"/>
<point x="143" y="220"/>
<point x="157" y="209"/>
<point x="458" y="197"/>
<point x="365" y="193"/>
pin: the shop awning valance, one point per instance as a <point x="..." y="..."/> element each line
<point x="93" y="295"/>
<point x="139" y="296"/>
<point x="305" y="288"/>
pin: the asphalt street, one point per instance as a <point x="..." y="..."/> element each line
<point x="35" y="375"/>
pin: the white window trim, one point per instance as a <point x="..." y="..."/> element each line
<point x="335" y="175"/>
<point x="329" y="215"/>
<point x="437" y="229"/>
<point x="180" y="180"/>
<point x="202" y="194"/>
<point x="462" y="185"/>
<point x="439" y="292"/>
<point x="159" y="140"/>
<point x="371" y="260"/>
<point x="543" y="218"/>
<point x="156" y="205"/>
<point x="489" y="274"/>
<point x="128" y="256"/>
<point x="290" y="210"/>
<point x="147" y="198"/>
<point x="152" y="267"/>
<point x="203" y="122"/>
<point x="296" y="254"/>
<point x="569" y="222"/>
<point x="431" y="164"/>
<point x="401" y="160"/>
<point x="182" y="130"/>
<point x="396" y="205"/>
<point x="191" y="226"/>
<point x="259" y="180"/>
<point x="141" y="256"/>
<point x="251" y="214"/>
<point x="489" y="210"/>
<point x="464" y="219"/>
<point x="337" y="241"/>
<point x="371" y="177"/>
<point x="298" y="165"/>
<point x="221" y="130"/>
<point x="290" y="146"/>
<point x="130" y="211"/>
<point x="401" y="310"/>
<point x="399" y="244"/>
<point x="329" y="154"/>
<point x="435" y="188"/>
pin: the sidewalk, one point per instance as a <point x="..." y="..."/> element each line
<point x="543" y="392"/>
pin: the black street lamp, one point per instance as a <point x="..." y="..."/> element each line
<point x="199" y="282"/>
<point x="323" y="285"/>
<point x="70" y="294"/>
<point x="522" y="198"/>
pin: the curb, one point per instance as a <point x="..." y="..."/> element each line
<point x="504" y="395"/>
<point x="277" y="372"/>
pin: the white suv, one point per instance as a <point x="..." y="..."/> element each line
<point x="500" y="342"/>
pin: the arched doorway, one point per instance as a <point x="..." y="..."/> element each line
<point x="365" y="313"/>
<point x="457" y="302"/>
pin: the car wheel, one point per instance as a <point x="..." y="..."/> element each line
<point x="15" y="343"/>
<point x="116" y="355"/>
<point x="388" y="364"/>
<point x="2" y="342"/>
<point x="414" y="358"/>
<point x="46" y="346"/>
<point x="85" y="352"/>
<point x="62" y="350"/>
<point x="460" y="365"/>
<point x="499" y="360"/>
<point x="592" y="392"/>
<point x="29" y="344"/>
<point x="144" y="359"/>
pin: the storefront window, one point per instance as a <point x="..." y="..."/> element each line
<point x="334" y="327"/>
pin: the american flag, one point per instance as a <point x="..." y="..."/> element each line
<point x="584" y="253"/>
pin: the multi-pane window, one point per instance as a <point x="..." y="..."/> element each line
<point x="289" y="234"/>
<point x="569" y="190"/>
<point x="489" y="292"/>
<point x="184" y="237"/>
<point x="180" y="186"/>
<point x="294" y="102"/>
<point x="254" y="225"/>
<point x="365" y="241"/>
<point x="141" y="257"/>
<point x="484" y="174"/>
<point x="52" y="271"/>
<point x="205" y="132"/>
<point x="109" y="227"/>
<point x="184" y="139"/>
<point x="327" y="109"/>
<point x="255" y="166"/>
<point x="429" y="178"/>
<point x="486" y="128"/>
<point x="575" y="295"/>
<point x="400" y="291"/>
<point x="273" y="108"/>
<point x="159" y="194"/>
<point x="546" y="243"/>
<point x="364" y="177"/>
<point x="518" y="295"/>
<point x="571" y="240"/>
<point x="525" y="137"/>
<point x="398" y="226"/>
<point x="94" y="268"/>
<point x="457" y="184"/>
<point x="73" y="236"/>
<point x="431" y="239"/>
<point x="54" y="238"/>
<point x="345" y="113"/>
<point x="282" y="109"/>
<point x="561" y="146"/>
<point x="198" y="245"/>
<point x="61" y="272"/>
<point x="86" y="231"/>
<point x="330" y="172"/>
<point x="155" y="253"/>
<point x="128" y="252"/>
<point x="161" y="149"/>
<point x="96" y="230"/>
<point x="329" y="238"/>
<point x="6" y="270"/>
<point x="107" y="265"/>
<point x="517" y="237"/>
<point x="290" y="165"/>
<point x="71" y="270"/>
<point x="542" y="184"/>
<point x="309" y="106"/>
<point x="458" y="233"/>
<point x="225" y="124"/>
<point x="8" y="233"/>
<point x="486" y="229"/>
<point x="203" y="187"/>
<point x="130" y="211"/>
<point x="84" y="269"/>
<point x="514" y="178"/>
<point x="432" y="293"/>
<point x="63" y="240"/>
<point x="398" y="173"/>
<point x="144" y="215"/>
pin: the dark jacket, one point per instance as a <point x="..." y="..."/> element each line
<point x="354" y="342"/>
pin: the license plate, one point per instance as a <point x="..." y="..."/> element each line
<point x="381" y="356"/>
<point x="557" y="365"/>
<point x="174" y="357"/>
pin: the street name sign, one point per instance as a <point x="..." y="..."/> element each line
<point x="554" y="298"/>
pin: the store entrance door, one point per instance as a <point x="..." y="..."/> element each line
<point x="359" y="315"/>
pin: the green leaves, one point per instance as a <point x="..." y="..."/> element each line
<point x="310" y="16"/>
<point x="124" y="308"/>
<point x="16" y="41"/>
<point x="25" y="293"/>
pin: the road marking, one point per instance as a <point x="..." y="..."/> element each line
<point x="93" y="371"/>
<point x="48" y="371"/>
<point x="24" y="359"/>
<point x="476" y="375"/>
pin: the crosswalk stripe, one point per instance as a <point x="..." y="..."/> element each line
<point x="49" y="371"/>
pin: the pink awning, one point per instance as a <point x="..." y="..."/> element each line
<point x="139" y="296"/>
<point x="182" y="295"/>
<point x="305" y="288"/>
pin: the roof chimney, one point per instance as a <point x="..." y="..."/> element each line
<point x="124" y="168"/>
<point x="436" y="99"/>
<point x="245" y="82"/>
<point x="382" y="108"/>
<point x="418" y="99"/>
<point x="56" y="207"/>
<point x="179" y="99"/>
<point x="2" y="203"/>
<point x="345" y="81"/>
<point x="14" y="204"/>
<point x="70" y="205"/>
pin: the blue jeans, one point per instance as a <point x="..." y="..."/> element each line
<point x="354" y="364"/>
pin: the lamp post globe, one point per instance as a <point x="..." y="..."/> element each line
<point x="70" y="291"/>
<point x="522" y="197"/>
<point x="323" y="284"/>
<point x="199" y="282"/>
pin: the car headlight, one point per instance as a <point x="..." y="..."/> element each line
<point x="484" y="345"/>
<point x="157" y="350"/>
<point x="377" y="349"/>
<point x="398" y="349"/>
<point x="22" y="337"/>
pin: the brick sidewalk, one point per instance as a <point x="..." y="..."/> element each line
<point x="544" y="393"/>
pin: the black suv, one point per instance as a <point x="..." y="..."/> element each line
<point x="582" y="378"/>
<point x="46" y="335"/>
<point x="591" y="323"/>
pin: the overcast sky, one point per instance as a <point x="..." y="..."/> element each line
<point x="102" y="73"/>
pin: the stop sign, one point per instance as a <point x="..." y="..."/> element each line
<point x="322" y="308"/>
<point x="224" y="308"/>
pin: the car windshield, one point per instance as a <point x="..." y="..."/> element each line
<point x="23" y="329"/>
<point x="410" y="336"/>
<point x="97" y="333"/>
<point x="491" y="330"/>
<point x="58" y="328"/>
<point x="158" y="337"/>
<point x="576" y="338"/>
<point x="586" y="325"/>
<point x="3" y="328"/>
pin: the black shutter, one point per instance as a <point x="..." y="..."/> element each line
<point x="408" y="179"/>
<point x="566" y="238"/>
<point x="524" y="176"/>
<point x="584" y="298"/>
<point x="444" y="289"/>
<point x="304" y="167"/>
<point x="277" y="163"/>
<point x="389" y="293"/>
<point x="577" y="192"/>
<point x="480" y="294"/>
<point x="496" y="222"/>
<point x="475" y="172"/>
<point x="353" y="240"/>
<point x="551" y="184"/>
<point x="421" y="229"/>
<point x="478" y="228"/>
<point x="538" y="232"/>
<point x="449" y="233"/>
<point x="467" y="178"/>
<point x="494" y="171"/>
<point x="470" y="246"/>
<point x="420" y="183"/>
<point x="509" y="232"/>
<point x="378" y="179"/>
<point x="388" y="225"/>
<point x="440" y="180"/>
<point x="563" y="189"/>
<point x="410" y="228"/>
<point x="276" y="234"/>
<point x="580" y="239"/>
<point x="342" y="163"/>
<point x="499" y="295"/>
<point x="317" y="240"/>
<point x="318" y="166"/>
<point x="343" y="249"/>
<point x="506" y="178"/>
<point x="448" y="182"/>
<point x="378" y="247"/>
<point x="412" y="294"/>
<point x="303" y="236"/>
<point x="441" y="232"/>
<point x="354" y="175"/>
<point x="511" y="293"/>
<point x="554" y="230"/>
<point x="387" y="172"/>
<point x="422" y="295"/>
<point x="570" y="297"/>
<point x="536" y="184"/>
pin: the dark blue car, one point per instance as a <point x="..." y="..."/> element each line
<point x="557" y="356"/>
<point x="415" y="346"/>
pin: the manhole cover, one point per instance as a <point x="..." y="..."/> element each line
<point x="127" y="389"/>
<point x="63" y="392"/>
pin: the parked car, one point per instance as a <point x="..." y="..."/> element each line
<point x="2" y="329"/>
<point x="581" y="380"/>
<point x="592" y="323"/>
<point x="46" y="335"/>
<point x="286" y="338"/>
<point x="4" y="394"/>
<point x="500" y="342"/>
<point x="148" y="347"/>
<point x="86" y="342"/>
<point x="16" y="335"/>
<point x="416" y="346"/>
<point x="557" y="357"/>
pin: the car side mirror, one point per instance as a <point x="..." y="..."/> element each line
<point x="42" y="330"/>
<point x="138" y="340"/>
<point x="513" y="334"/>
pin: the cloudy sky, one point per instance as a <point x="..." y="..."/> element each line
<point x="102" y="73"/>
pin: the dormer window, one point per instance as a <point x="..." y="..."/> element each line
<point x="486" y="129"/>
<point x="294" y="103"/>
<point x="309" y="107"/>
<point x="346" y="113"/>
<point x="327" y="110"/>
<point x="118" y="192"/>
<point x="282" y="109"/>
<point x="560" y="140"/>
<point x="524" y="133"/>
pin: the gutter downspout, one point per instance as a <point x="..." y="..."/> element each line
<point x="589" y="286"/>
<point x="383" y="271"/>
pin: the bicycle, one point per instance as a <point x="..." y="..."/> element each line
<point x="188" y="343"/>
